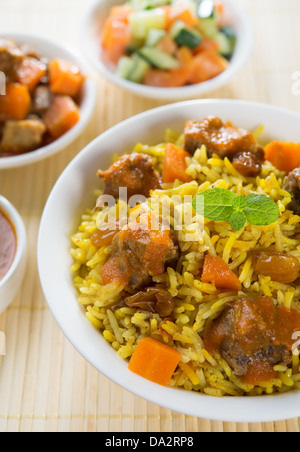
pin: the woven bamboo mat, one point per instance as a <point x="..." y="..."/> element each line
<point x="45" y="385"/>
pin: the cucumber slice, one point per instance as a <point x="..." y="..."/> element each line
<point x="185" y="36"/>
<point x="206" y="9"/>
<point x="125" y="67"/>
<point x="134" y="45"/>
<point x="142" y="21"/>
<point x="159" y="59"/>
<point x="148" y="4"/>
<point x="139" y="69"/>
<point x="154" y="37"/>
<point x="229" y="32"/>
<point x="209" y="27"/>
<point x="225" y="45"/>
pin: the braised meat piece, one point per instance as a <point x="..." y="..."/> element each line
<point x="22" y="136"/>
<point x="11" y="58"/>
<point x="134" y="172"/>
<point x="219" y="138"/>
<point x="41" y="100"/>
<point x="253" y="336"/>
<point x="292" y="185"/>
<point x="141" y="250"/>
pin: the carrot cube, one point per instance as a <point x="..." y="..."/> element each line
<point x="65" y="78"/>
<point x="216" y="271"/>
<point x="30" y="73"/>
<point x="154" y="361"/>
<point x="61" y="116"/>
<point x="175" y="166"/>
<point x="15" y="104"/>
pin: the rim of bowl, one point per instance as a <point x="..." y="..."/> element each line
<point x="16" y="220"/>
<point x="87" y="104"/>
<point x="266" y="408"/>
<point x="245" y="47"/>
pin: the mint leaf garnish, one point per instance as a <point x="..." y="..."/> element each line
<point x="261" y="210"/>
<point x="219" y="204"/>
<point x="238" y="220"/>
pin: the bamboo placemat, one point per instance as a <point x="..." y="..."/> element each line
<point x="45" y="385"/>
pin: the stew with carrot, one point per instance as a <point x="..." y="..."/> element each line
<point x="41" y="102"/>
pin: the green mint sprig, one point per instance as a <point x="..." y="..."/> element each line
<point x="219" y="204"/>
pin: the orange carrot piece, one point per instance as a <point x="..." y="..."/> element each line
<point x="167" y="44"/>
<point x="208" y="64"/>
<point x="216" y="271"/>
<point x="115" y="38"/>
<point x="167" y="79"/>
<point x="154" y="361"/>
<point x="15" y="105"/>
<point x="175" y="166"/>
<point x="206" y="44"/>
<point x="284" y="156"/>
<point x="186" y="58"/>
<point x="65" y="78"/>
<point x="180" y="11"/>
<point x="111" y="273"/>
<point x="30" y="73"/>
<point x="121" y="12"/>
<point x="61" y="116"/>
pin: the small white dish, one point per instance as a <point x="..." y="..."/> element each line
<point x="62" y="216"/>
<point x="53" y="49"/>
<point x="10" y="284"/>
<point x="234" y="15"/>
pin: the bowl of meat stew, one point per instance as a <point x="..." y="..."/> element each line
<point x="48" y="100"/>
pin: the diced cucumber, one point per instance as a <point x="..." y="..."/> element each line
<point x="125" y="67"/>
<point x="134" y="45"/>
<point x="142" y="21"/>
<point x="205" y="9"/>
<point x="229" y="32"/>
<point x="159" y="59"/>
<point x="185" y="36"/>
<point x="226" y="45"/>
<point x="209" y="27"/>
<point x="139" y="69"/>
<point x="133" y="68"/>
<point x="154" y="37"/>
<point x="148" y="4"/>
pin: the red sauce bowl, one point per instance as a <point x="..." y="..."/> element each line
<point x="12" y="253"/>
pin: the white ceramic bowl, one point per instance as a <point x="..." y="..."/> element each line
<point x="234" y="15"/>
<point x="61" y="218"/>
<point x="10" y="284"/>
<point x="54" y="49"/>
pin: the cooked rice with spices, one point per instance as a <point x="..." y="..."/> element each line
<point x="196" y="303"/>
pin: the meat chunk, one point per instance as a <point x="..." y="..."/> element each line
<point x="134" y="172"/>
<point x="143" y="249"/>
<point x="292" y="185"/>
<point x="42" y="100"/>
<point x="22" y="136"/>
<point x="253" y="336"/>
<point x="11" y="58"/>
<point x="220" y="138"/>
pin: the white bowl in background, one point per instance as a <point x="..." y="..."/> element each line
<point x="91" y="43"/>
<point x="54" y="49"/>
<point x="61" y="218"/>
<point x="10" y="284"/>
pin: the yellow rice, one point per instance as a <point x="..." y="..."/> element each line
<point x="196" y="303"/>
